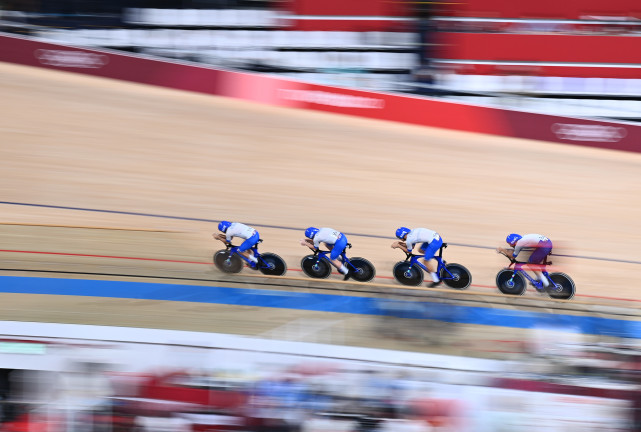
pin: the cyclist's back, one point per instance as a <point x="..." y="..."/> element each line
<point x="420" y="235"/>
<point x="238" y="229"/>
<point x="328" y="236"/>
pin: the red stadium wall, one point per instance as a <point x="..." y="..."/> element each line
<point x="381" y="8"/>
<point x="541" y="48"/>
<point x="334" y="15"/>
<point x="287" y="93"/>
<point x="572" y="51"/>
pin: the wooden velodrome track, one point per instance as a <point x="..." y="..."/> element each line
<point x="162" y="166"/>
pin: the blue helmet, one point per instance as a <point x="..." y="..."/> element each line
<point x="223" y="226"/>
<point x="311" y="232"/>
<point x="513" y="238"/>
<point x="402" y="232"/>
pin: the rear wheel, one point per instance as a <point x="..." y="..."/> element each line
<point x="363" y="270"/>
<point x="461" y="277"/>
<point x="228" y="263"/>
<point x="315" y="267"/>
<point x="408" y="273"/>
<point x="510" y="283"/>
<point x="563" y="288"/>
<point x="272" y="264"/>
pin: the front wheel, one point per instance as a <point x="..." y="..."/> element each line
<point x="362" y="271"/>
<point x="456" y="276"/>
<point x="227" y="263"/>
<point x="315" y="267"/>
<point x="408" y="274"/>
<point x="272" y="264"/>
<point x="510" y="283"/>
<point x="563" y="288"/>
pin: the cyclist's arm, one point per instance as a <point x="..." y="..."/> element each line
<point x="309" y="243"/>
<point x="505" y="251"/>
<point x="517" y="249"/>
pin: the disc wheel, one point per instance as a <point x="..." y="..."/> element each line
<point x="315" y="268"/>
<point x="461" y="277"/>
<point x="272" y="264"/>
<point x="408" y="273"/>
<point x="510" y="283"/>
<point x="226" y="263"/>
<point x="363" y="270"/>
<point x="563" y="288"/>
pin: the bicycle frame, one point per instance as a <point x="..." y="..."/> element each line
<point x="517" y="267"/>
<point x="323" y="254"/>
<point x="233" y="250"/>
<point x="415" y="259"/>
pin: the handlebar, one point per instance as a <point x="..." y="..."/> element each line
<point x="512" y="260"/>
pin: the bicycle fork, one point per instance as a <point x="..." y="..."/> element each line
<point x="510" y="282"/>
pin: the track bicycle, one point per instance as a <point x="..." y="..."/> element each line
<point x="512" y="281"/>
<point x="230" y="260"/>
<point x="318" y="265"/>
<point x="411" y="271"/>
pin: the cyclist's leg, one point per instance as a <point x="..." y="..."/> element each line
<point x="245" y="247"/>
<point x="336" y="252"/>
<point x="537" y="262"/>
<point x="430" y="250"/>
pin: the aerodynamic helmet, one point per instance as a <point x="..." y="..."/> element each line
<point x="223" y="226"/>
<point x="311" y="232"/>
<point x="513" y="238"/>
<point x="402" y="232"/>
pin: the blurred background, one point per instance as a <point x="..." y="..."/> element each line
<point x="78" y="384"/>
<point x="575" y="58"/>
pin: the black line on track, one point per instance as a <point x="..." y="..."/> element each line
<point x="155" y="215"/>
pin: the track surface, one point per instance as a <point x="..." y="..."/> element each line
<point x="129" y="179"/>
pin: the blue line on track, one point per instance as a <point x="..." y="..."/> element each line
<point x="321" y="303"/>
<point x="277" y="227"/>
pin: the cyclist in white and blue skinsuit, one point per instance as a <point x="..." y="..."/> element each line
<point x="237" y="229"/>
<point x="430" y="242"/>
<point x="335" y="240"/>
<point x="542" y="248"/>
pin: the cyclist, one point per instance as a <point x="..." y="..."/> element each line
<point x="542" y="248"/>
<point x="430" y="242"/>
<point x="247" y="233"/>
<point x="335" y="241"/>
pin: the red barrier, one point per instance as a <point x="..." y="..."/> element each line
<point x="381" y="8"/>
<point x="540" y="48"/>
<point x="341" y="15"/>
<point x="283" y="92"/>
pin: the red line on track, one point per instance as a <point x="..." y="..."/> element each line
<point x="207" y="263"/>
